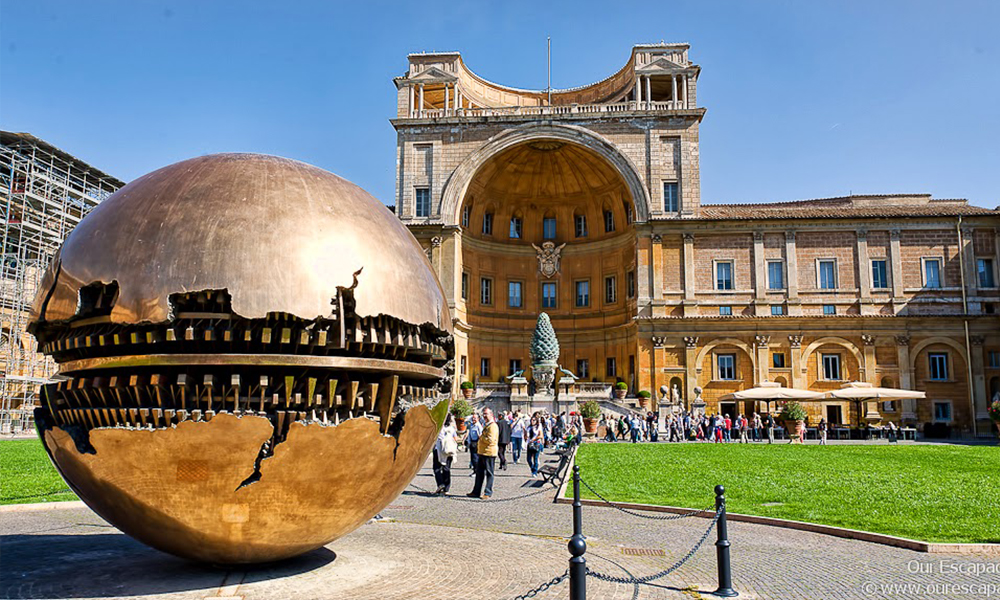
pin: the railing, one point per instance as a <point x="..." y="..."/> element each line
<point x="593" y="389"/>
<point x="531" y="111"/>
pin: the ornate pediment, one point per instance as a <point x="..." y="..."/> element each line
<point x="432" y="75"/>
<point x="660" y="66"/>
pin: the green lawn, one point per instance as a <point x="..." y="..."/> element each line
<point x="27" y="474"/>
<point x="934" y="493"/>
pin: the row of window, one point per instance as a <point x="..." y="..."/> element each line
<point x="725" y="366"/>
<point x="515" y="291"/>
<point x="516" y="229"/>
<point x="582" y="367"/>
<point x="777" y="310"/>
<point x="826" y="274"/>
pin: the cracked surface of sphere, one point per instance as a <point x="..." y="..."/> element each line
<point x="254" y="358"/>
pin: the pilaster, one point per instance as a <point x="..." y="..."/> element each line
<point x="868" y="342"/>
<point x="759" y="273"/>
<point x="978" y="362"/>
<point x="792" y="264"/>
<point x="690" y="304"/>
<point x="905" y="375"/>
<point x="795" y="360"/>
<point x="864" y="274"/>
<point x="690" y="364"/>
<point x="896" y="268"/>
<point x="762" y="345"/>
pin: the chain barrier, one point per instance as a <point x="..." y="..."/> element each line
<point x="665" y="572"/>
<point x="543" y="587"/>
<point x="644" y="516"/>
<point x="541" y="490"/>
<point x="8" y="498"/>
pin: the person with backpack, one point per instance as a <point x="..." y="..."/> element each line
<point x="445" y="450"/>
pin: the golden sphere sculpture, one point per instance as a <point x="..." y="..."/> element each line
<point x="254" y="358"/>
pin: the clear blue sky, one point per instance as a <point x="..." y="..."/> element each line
<point x="805" y="99"/>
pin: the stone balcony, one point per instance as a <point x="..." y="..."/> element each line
<point x="571" y="110"/>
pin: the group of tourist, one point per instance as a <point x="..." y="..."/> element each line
<point x="488" y="438"/>
<point x="685" y="426"/>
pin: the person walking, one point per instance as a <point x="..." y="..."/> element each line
<point x="756" y="427"/>
<point x="474" y="432"/>
<point x="536" y="441"/>
<point x="727" y="429"/>
<point x="517" y="437"/>
<point x="769" y="426"/>
<point x="445" y="450"/>
<point x="503" y="440"/>
<point x="744" y="426"/>
<point x="822" y="431"/>
<point x="636" y="427"/>
<point x="487" y="451"/>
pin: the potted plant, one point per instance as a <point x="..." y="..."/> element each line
<point x="621" y="388"/>
<point x="794" y="417"/>
<point x="591" y="412"/>
<point x="994" y="411"/>
<point x="468" y="389"/>
<point x="644" y="397"/>
<point x="461" y="409"/>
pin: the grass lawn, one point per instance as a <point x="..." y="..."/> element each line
<point x="934" y="493"/>
<point x="27" y="474"/>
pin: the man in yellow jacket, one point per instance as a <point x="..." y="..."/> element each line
<point x="487" y="449"/>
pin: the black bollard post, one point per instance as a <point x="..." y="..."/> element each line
<point x="577" y="546"/>
<point x="722" y="548"/>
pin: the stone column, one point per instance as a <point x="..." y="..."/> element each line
<point x="869" y="356"/>
<point x="420" y="108"/>
<point x="447" y="98"/>
<point x="684" y="92"/>
<point x="638" y="90"/>
<point x="691" y="366"/>
<point x="690" y="303"/>
<point x="905" y="375"/>
<point x="759" y="274"/>
<point x="761" y="374"/>
<point x="649" y="95"/>
<point x="654" y="384"/>
<point x="412" y="102"/>
<point x="792" y="268"/>
<point x="979" y="377"/>
<point x="896" y="268"/>
<point x="673" y="94"/>
<point x="968" y="256"/>
<point x="656" y="264"/>
<point x="794" y="360"/>
<point x="864" y="274"/>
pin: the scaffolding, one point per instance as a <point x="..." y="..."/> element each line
<point x="44" y="192"/>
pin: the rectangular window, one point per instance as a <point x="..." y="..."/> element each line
<point x="778" y="360"/>
<point x="775" y="275"/>
<point x="423" y="201"/>
<point x="829" y="309"/>
<point x="580" y="225"/>
<point x="726" y="311"/>
<point x="725" y="366"/>
<point x="942" y="412"/>
<point x="888" y="406"/>
<point x="583" y="368"/>
<point x="609" y="221"/>
<point x="994" y="359"/>
<point x="831" y="367"/>
<point x="777" y="310"/>
<point x="827" y="270"/>
<point x="630" y="283"/>
<point x="671" y="201"/>
<point x="549" y="228"/>
<point x="514" y="299"/>
<point x="724" y="275"/>
<point x="484" y="368"/>
<point x="938" y="366"/>
<point x="984" y="270"/>
<point x="486" y="291"/>
<point x="582" y="294"/>
<point x="549" y="294"/>
<point x="612" y="367"/>
<point x="488" y="223"/>
<point x="466" y="213"/>
<point x="880" y="274"/>
<point x="462" y="365"/>
<point x="515" y="366"/>
<point x="610" y="290"/>
<point x="932" y="272"/>
<point x="465" y="286"/>
<point x="515" y="228"/>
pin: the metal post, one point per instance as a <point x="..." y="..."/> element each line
<point x="577" y="546"/>
<point x="722" y="548"/>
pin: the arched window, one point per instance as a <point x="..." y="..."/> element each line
<point x="488" y="222"/>
<point x="516" y="227"/>
<point x="466" y="215"/>
<point x="628" y="212"/>
<point x="609" y="220"/>
<point x="549" y="226"/>
<point x="580" y="224"/>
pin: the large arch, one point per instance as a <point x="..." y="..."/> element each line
<point x="458" y="183"/>
<point x="725" y="342"/>
<point x="833" y="341"/>
<point x="915" y="352"/>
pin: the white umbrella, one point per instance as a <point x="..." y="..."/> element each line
<point x="860" y="391"/>
<point x="769" y="391"/>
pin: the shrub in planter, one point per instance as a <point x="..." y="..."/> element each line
<point x="794" y="417"/>
<point x="644" y="394"/>
<point x="468" y="389"/>
<point x="591" y="412"/>
<point x="460" y="409"/>
<point x="644" y="397"/>
<point x="621" y="388"/>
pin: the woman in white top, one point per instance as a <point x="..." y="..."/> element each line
<point x="445" y="450"/>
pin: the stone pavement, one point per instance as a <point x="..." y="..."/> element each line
<point x="431" y="547"/>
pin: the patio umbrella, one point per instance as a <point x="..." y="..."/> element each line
<point x="860" y="391"/>
<point x="769" y="391"/>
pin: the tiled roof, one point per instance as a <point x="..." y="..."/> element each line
<point x="868" y="206"/>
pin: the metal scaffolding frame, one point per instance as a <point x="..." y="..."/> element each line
<point x="44" y="192"/>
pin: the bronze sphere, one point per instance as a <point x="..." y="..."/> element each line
<point x="254" y="358"/>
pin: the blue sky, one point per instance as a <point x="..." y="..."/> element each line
<point x="805" y="99"/>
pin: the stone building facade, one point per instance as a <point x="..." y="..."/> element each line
<point x="585" y="203"/>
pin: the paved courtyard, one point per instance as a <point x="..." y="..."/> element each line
<point x="431" y="547"/>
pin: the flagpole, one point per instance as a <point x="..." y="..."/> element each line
<point x="549" y="63"/>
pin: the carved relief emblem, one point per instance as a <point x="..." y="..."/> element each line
<point x="548" y="258"/>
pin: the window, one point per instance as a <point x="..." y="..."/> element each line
<point x="465" y="286"/>
<point x="582" y="294"/>
<point x="880" y="276"/>
<point x="994" y="359"/>
<point x="549" y="228"/>
<point x="777" y="310"/>
<point x="486" y="291"/>
<point x="515" y="228"/>
<point x="726" y="366"/>
<point x="609" y="221"/>
<point x="484" y="368"/>
<point x="888" y="406"/>
<point x="984" y="270"/>
<point x="942" y="412"/>
<point x="515" y="366"/>
<point x="580" y="225"/>
<point x="466" y="213"/>
<point x="829" y="309"/>
<point x="827" y="271"/>
<point x="630" y="284"/>
<point x="612" y="367"/>
<point x="778" y="360"/>
<point x="610" y="290"/>
<point x="724" y="275"/>
<point x="831" y="367"/>
<point x="423" y="201"/>
<point x="671" y="202"/>
<point x="514" y="299"/>
<point x="932" y="272"/>
<point x="462" y="365"/>
<point x="488" y="223"/>
<point x="549" y="294"/>
<point x="726" y="311"/>
<point x="937" y="363"/>
<point x="628" y="213"/>
<point x="775" y="275"/>
<point x="582" y="368"/>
